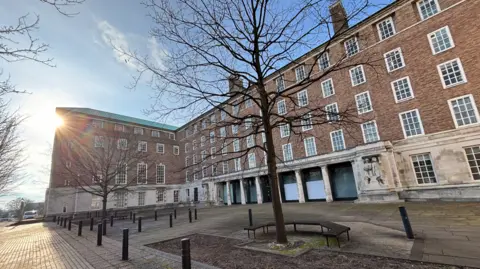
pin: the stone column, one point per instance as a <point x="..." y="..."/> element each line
<point x="326" y="183"/>
<point x="356" y="176"/>
<point x="229" y="199"/>
<point x="259" y="190"/>
<point x="301" y="194"/>
<point x="242" y="192"/>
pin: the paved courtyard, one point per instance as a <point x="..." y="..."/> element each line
<point x="446" y="233"/>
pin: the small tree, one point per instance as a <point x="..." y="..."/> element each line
<point x="15" y="205"/>
<point x="111" y="165"/>
<point x="248" y="43"/>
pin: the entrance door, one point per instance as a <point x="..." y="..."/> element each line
<point x="343" y="182"/>
<point x="314" y="184"/>
<point x="251" y="191"/>
<point x="289" y="187"/>
<point x="266" y="189"/>
<point x="195" y="194"/>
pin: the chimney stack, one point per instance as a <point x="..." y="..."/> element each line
<point x="339" y="17"/>
<point x="234" y="83"/>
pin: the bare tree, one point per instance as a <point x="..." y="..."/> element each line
<point x="17" y="43"/>
<point x="15" y="205"/>
<point x="108" y="167"/>
<point x="251" y="44"/>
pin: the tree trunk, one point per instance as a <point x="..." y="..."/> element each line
<point x="272" y="174"/>
<point x="104" y="207"/>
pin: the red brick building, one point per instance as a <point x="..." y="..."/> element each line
<point x="419" y="138"/>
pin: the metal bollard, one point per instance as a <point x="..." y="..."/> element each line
<point x="104" y="226"/>
<point x="195" y="213"/>
<point x="133" y="217"/>
<point x="171" y="222"/>
<point x="139" y="224"/>
<point x="80" y="225"/>
<point x="186" y="262"/>
<point x="155" y="215"/>
<point x="406" y="222"/>
<point x="111" y="221"/>
<point x="125" y="245"/>
<point x="190" y="215"/>
<point x="99" y="234"/>
<point x="250" y="218"/>
<point x="175" y="213"/>
<point x="131" y="214"/>
<point x="58" y="220"/>
<point x="65" y="223"/>
<point x="91" y="224"/>
<point x="69" y="224"/>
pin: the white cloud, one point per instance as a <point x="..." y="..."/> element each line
<point x="112" y="37"/>
<point x="158" y="53"/>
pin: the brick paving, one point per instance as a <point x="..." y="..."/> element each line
<point x="446" y="233"/>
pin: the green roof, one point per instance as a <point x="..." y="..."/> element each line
<point x="117" y="117"/>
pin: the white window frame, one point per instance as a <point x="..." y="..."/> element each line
<point x="155" y="133"/>
<point x="204" y="171"/>
<point x="330" y="117"/>
<point x="277" y="83"/>
<point x="284" y="146"/>
<point x="97" y="124"/>
<point x="176" y="196"/>
<point x="223" y="114"/>
<point x="225" y="167"/>
<point x="140" y="146"/>
<point x="389" y="19"/>
<point x="235" y="129"/>
<point x="237" y="164"/>
<point x="187" y="161"/>
<point x="298" y="73"/>
<point x="214" y="169"/>
<point x="213" y="152"/>
<point x="305" y="141"/>
<point x="306" y="122"/>
<point x="202" y="141"/>
<point x="138" y="130"/>
<point x="236" y="145"/>
<point x="142" y="195"/>
<point x="117" y="128"/>
<point x="138" y="173"/>
<point x="369" y="100"/>
<point x="212" y="137"/>
<point x="343" y="140"/>
<point x="449" y="34"/>
<point x="252" y="160"/>
<point x="224" y="148"/>
<point x="223" y="131"/>
<point x="460" y="66"/>
<point x="248" y="123"/>
<point x="324" y="54"/>
<point x="250" y="141"/>
<point x="176" y="150"/>
<point x="299" y="94"/>
<point x="433" y="168"/>
<point x="213" y="119"/>
<point x="194" y="145"/>
<point x="162" y="146"/>
<point x="162" y="176"/>
<point x="399" y="50"/>
<point x="203" y="155"/>
<point x="475" y="110"/>
<point x="395" y="93"/>
<point x="119" y="144"/>
<point x="420" y="11"/>
<point x="323" y="87"/>
<point x="419" y="120"/>
<point x="282" y="104"/>
<point x="355" y="41"/>
<point x="117" y="174"/>
<point x="363" y="72"/>
<point x="363" y="131"/>
<point x="284" y="130"/>
<point x="98" y="141"/>
<point x="187" y="146"/>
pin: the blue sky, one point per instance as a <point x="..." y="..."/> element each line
<point x="88" y="73"/>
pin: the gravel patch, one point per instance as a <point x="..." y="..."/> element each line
<point x="221" y="252"/>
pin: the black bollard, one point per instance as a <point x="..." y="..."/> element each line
<point x="250" y="218"/>
<point x="139" y="224"/>
<point x="195" y="213"/>
<point x="61" y="221"/>
<point x="111" y="221"/>
<point x="186" y="262"/>
<point x="155" y="215"/>
<point x="65" y="223"/>
<point x="69" y="224"/>
<point x="104" y="226"/>
<point x="406" y="222"/>
<point x="80" y="225"/>
<point x="54" y="218"/>
<point x="125" y="245"/>
<point x="58" y="220"/>
<point x="175" y="213"/>
<point x="99" y="234"/>
<point x="190" y="215"/>
<point x="130" y="214"/>
<point x="133" y="217"/>
<point x="91" y="224"/>
<point x="171" y="222"/>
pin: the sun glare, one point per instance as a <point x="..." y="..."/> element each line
<point x="57" y="121"/>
